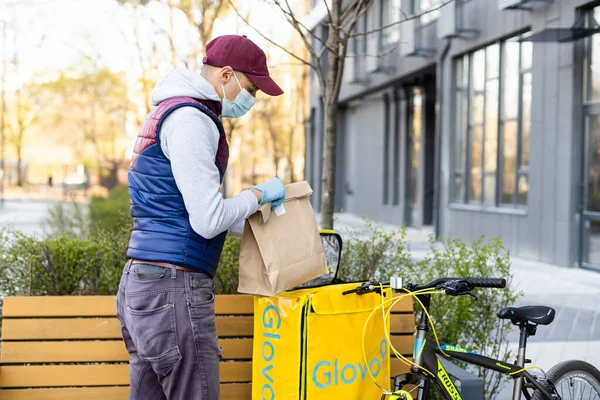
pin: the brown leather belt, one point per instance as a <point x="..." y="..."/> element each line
<point x="160" y="264"/>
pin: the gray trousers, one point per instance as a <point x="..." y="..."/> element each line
<point x="167" y="319"/>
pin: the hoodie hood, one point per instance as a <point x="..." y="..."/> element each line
<point x="182" y="82"/>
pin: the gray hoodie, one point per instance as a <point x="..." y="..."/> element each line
<point x="189" y="139"/>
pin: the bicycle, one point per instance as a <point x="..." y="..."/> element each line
<point x="566" y="380"/>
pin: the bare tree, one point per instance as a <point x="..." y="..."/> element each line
<point x="326" y="57"/>
<point x="98" y="104"/>
<point x="169" y="33"/>
<point x="144" y="78"/>
<point x="147" y="61"/>
<point x="25" y="116"/>
<point x="203" y="14"/>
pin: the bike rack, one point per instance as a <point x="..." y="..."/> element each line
<point x="471" y="386"/>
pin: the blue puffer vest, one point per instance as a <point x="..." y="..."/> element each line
<point x="161" y="225"/>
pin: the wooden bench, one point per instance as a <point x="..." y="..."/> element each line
<point x="70" y="348"/>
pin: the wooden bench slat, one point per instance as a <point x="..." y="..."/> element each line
<point x="236" y="391"/>
<point x="403" y="343"/>
<point x="402" y="323"/>
<point x="236" y="371"/>
<point x="96" y="393"/>
<point x="235" y="349"/>
<point x="63" y="352"/>
<point x="229" y="391"/>
<point x="403" y="306"/>
<point x="235" y="326"/>
<point x="397" y="367"/>
<point x="102" y="306"/>
<point x="54" y="328"/>
<point x="108" y="328"/>
<point x="102" y="375"/>
<point x="114" y="350"/>
<point x="59" y="306"/>
<point x="96" y="375"/>
<point x="96" y="351"/>
<point x="100" y="328"/>
<point x="64" y="375"/>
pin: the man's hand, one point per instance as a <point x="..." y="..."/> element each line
<point x="272" y="192"/>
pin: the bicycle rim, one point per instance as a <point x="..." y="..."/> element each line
<point x="578" y="385"/>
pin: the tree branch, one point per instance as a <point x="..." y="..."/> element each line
<point x="291" y="18"/>
<point x="415" y="16"/>
<point x="328" y="10"/>
<point x="349" y="9"/>
<point x="297" y="25"/>
<point x="268" y="39"/>
<point x="314" y="63"/>
<point x="361" y="9"/>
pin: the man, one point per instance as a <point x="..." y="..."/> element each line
<point x="165" y="303"/>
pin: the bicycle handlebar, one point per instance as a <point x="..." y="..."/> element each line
<point x="444" y="283"/>
<point x="451" y="286"/>
<point x="488" y="282"/>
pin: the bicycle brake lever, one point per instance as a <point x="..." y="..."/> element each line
<point x="472" y="295"/>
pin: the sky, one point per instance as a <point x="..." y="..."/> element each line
<point x="51" y="35"/>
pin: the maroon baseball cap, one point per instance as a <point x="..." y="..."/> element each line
<point x="241" y="54"/>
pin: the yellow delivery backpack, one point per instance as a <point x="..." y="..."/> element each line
<point x="308" y="345"/>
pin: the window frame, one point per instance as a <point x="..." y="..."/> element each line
<point x="430" y="16"/>
<point x="462" y="158"/>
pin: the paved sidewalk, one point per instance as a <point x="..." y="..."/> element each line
<point x="27" y="216"/>
<point x="574" y="293"/>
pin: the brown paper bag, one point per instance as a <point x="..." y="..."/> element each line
<point x="280" y="252"/>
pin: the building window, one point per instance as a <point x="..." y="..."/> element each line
<point x="391" y="13"/>
<point x="426" y="8"/>
<point x="493" y="124"/>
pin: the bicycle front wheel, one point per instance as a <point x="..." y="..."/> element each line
<point x="573" y="380"/>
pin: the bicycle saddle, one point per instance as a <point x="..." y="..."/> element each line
<point x="539" y="315"/>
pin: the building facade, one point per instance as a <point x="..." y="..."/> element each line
<point x="480" y="118"/>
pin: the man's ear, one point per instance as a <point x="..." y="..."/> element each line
<point x="226" y="75"/>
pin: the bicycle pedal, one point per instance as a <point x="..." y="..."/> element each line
<point x="400" y="395"/>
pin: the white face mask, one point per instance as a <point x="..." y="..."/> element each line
<point x="241" y="105"/>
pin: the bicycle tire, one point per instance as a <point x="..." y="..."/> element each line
<point x="580" y="370"/>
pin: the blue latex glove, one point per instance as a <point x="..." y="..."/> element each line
<point x="272" y="191"/>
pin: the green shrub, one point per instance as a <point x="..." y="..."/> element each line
<point x="84" y="251"/>
<point x="111" y="213"/>
<point x="67" y="218"/>
<point x="375" y="256"/>
<point x="227" y="277"/>
<point x="60" y="265"/>
<point x="458" y="320"/>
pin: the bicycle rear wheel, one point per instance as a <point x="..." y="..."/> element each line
<point x="573" y="380"/>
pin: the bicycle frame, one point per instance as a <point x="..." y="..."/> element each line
<point x="425" y="356"/>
